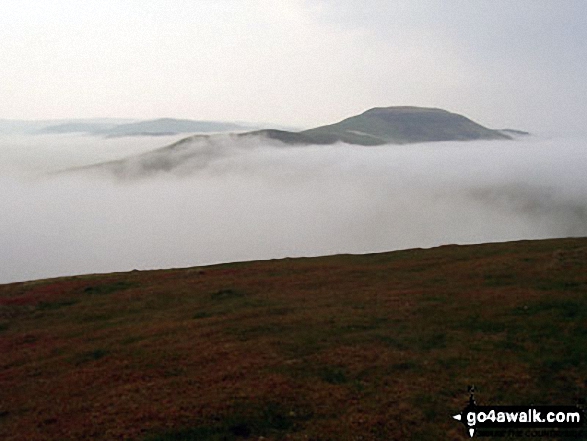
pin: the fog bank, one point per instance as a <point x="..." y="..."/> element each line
<point x="231" y="199"/>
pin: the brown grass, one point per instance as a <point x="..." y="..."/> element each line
<point x="372" y="347"/>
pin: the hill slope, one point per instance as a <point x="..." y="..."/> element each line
<point x="156" y="127"/>
<point x="372" y="347"/>
<point x="402" y="125"/>
<point x="167" y="126"/>
<point x="94" y="128"/>
<point x="391" y="125"/>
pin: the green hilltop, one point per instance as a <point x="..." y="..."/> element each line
<point x="391" y="125"/>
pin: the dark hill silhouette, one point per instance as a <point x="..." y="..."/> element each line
<point x="390" y="125"/>
<point x="402" y="125"/>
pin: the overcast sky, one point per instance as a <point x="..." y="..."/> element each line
<point x="503" y="63"/>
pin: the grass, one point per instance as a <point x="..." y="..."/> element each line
<point x="107" y="288"/>
<point x="87" y="357"/>
<point x="244" y="422"/>
<point x="48" y="306"/>
<point x="372" y="347"/>
<point x="227" y="293"/>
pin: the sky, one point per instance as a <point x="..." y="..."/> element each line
<point x="519" y="64"/>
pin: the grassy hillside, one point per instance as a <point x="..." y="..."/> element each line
<point x="372" y="347"/>
<point x="391" y="125"/>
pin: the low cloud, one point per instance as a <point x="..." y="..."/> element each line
<point x="226" y="199"/>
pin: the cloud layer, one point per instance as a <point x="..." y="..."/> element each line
<point x="240" y="199"/>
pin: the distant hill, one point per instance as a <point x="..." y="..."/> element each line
<point x="95" y="128"/>
<point x="403" y="125"/>
<point x="391" y="125"/>
<point x="59" y="126"/>
<point x="170" y="126"/>
<point x="14" y="127"/>
<point x="155" y="127"/>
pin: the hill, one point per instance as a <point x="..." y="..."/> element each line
<point x="59" y="126"/>
<point x="94" y="128"/>
<point x="391" y="125"/>
<point x="402" y="125"/>
<point x="372" y="347"/>
<point x="170" y="126"/>
<point x="156" y="127"/>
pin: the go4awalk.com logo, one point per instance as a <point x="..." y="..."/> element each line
<point x="516" y="421"/>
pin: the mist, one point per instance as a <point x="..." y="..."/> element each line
<point x="228" y="198"/>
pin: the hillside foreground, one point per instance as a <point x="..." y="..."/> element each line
<point x="347" y="347"/>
